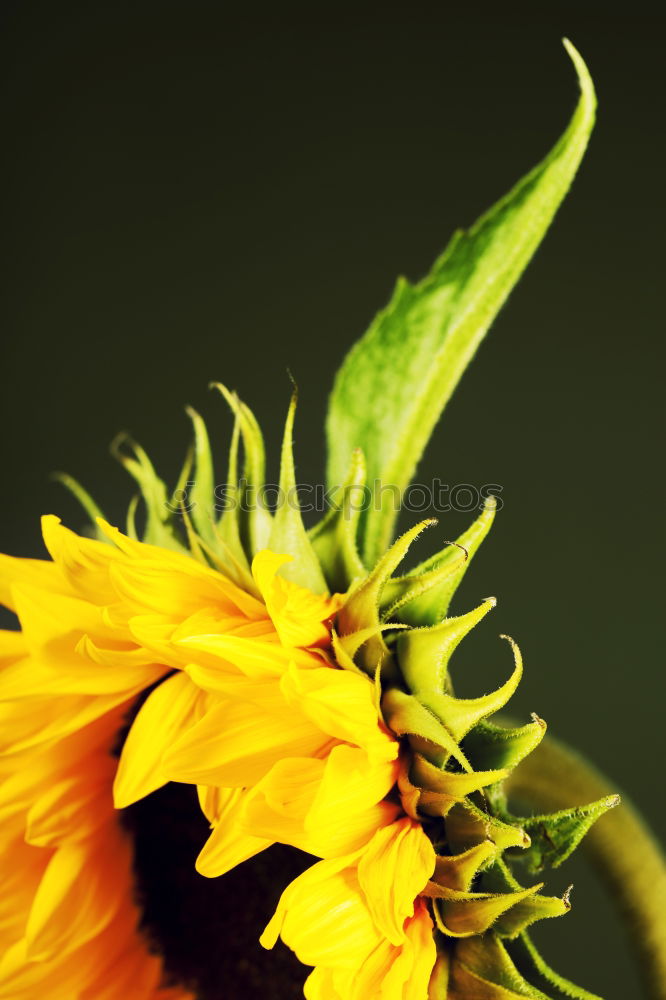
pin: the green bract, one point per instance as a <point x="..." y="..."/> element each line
<point x="393" y="624"/>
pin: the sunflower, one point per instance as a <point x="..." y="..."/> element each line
<point x="275" y="689"/>
<point x="317" y="721"/>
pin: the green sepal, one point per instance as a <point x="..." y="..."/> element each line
<point x="130" y="518"/>
<point x="556" y="836"/>
<point x="490" y="746"/>
<point x="406" y="716"/>
<point x="197" y="546"/>
<point x="228" y="553"/>
<point x="440" y="789"/>
<point x="395" y="382"/>
<point x="254" y="519"/>
<point x="498" y="878"/>
<point x="85" y="499"/>
<point x="466" y="914"/>
<point x="457" y="784"/>
<point x="458" y="871"/>
<point x="528" y="912"/>
<point x="177" y="501"/>
<point x="467" y="826"/>
<point x="334" y="538"/>
<point x="228" y="529"/>
<point x="160" y="529"/>
<point x="481" y="967"/>
<point x="201" y="495"/>
<point x="530" y="963"/>
<point x="423" y="596"/>
<point x="459" y="715"/>
<point x="424" y="653"/>
<point x="288" y="532"/>
<point x="361" y="609"/>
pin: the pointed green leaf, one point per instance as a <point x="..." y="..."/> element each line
<point x="361" y="609"/>
<point x="255" y="520"/>
<point x="424" y="653"/>
<point x="556" y="835"/>
<point x="288" y="532"/>
<point x="459" y="715"/>
<point x="481" y="967"/>
<point x="201" y="496"/>
<point x="228" y="532"/>
<point x="334" y="538"/>
<point x="499" y="878"/>
<point x="179" y="494"/>
<point x="467" y="826"/>
<point x="457" y="784"/>
<point x="84" y="498"/>
<point x="423" y="596"/>
<point x="457" y="871"/>
<point x="130" y="520"/>
<point x="405" y="716"/>
<point x="529" y="911"/>
<point x="442" y="788"/>
<point x="490" y="746"/>
<point x="394" y="383"/>
<point x="160" y="528"/>
<point x="465" y="914"/>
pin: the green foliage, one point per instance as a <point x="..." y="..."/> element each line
<point x="556" y="835"/>
<point x="288" y="533"/>
<point x="394" y="383"/>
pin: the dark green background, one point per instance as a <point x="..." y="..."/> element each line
<point x="194" y="193"/>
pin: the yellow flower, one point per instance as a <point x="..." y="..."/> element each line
<point x="243" y="700"/>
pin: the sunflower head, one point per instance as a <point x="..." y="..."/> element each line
<point x="444" y="762"/>
<point x="234" y="684"/>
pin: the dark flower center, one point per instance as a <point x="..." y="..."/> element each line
<point x="207" y="930"/>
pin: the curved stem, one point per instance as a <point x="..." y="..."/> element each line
<point x="620" y="846"/>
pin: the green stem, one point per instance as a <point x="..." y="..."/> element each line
<point x="620" y="846"/>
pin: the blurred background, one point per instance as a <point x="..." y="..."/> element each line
<point x="195" y="193"/>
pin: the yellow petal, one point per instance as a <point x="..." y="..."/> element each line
<point x="78" y="896"/>
<point x="83" y="562"/>
<point x="70" y="663"/>
<point x="255" y="738"/>
<point x="46" y="721"/>
<point x="322" y="916"/>
<point x="394" y="868"/>
<point x="342" y="704"/>
<point x="167" y="712"/>
<point x="228" y="845"/>
<point x="12" y="647"/>
<point x="328" y="984"/>
<point x="47" y="617"/>
<point x="255" y="658"/>
<point x="277" y="807"/>
<point x="72" y="808"/>
<point x="172" y="582"/>
<point x="31" y="572"/>
<point x="300" y="617"/>
<point x="326" y="808"/>
<point x="419" y="933"/>
<point x="399" y="972"/>
<point x="349" y="805"/>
